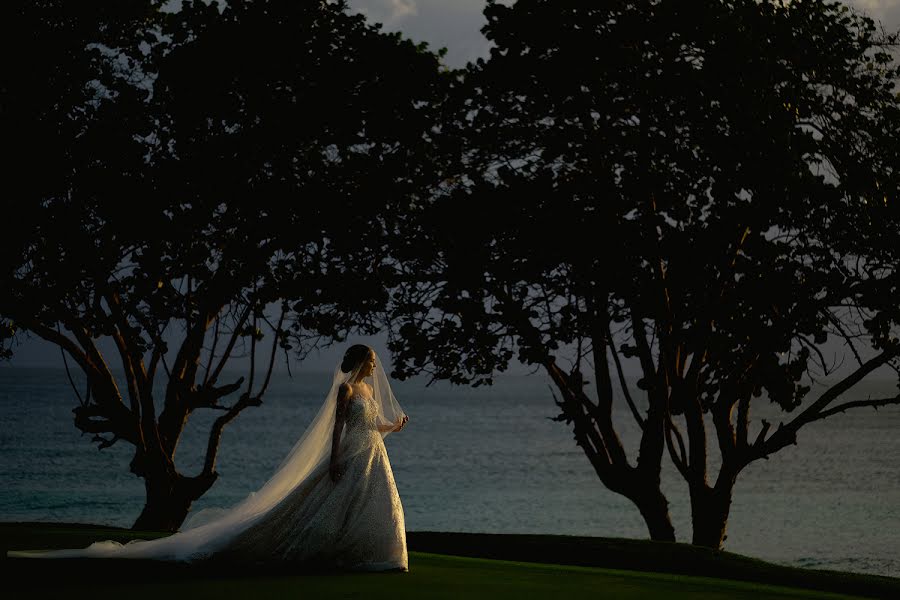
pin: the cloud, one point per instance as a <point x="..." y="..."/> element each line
<point x="388" y="12"/>
<point x="454" y="24"/>
<point x="403" y="8"/>
<point x="886" y="11"/>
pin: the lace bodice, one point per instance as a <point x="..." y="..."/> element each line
<point x="361" y="428"/>
<point x="362" y="412"/>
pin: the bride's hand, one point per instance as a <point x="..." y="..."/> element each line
<point x="399" y="423"/>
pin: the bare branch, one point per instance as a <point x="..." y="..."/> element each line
<point x="837" y="324"/>
<point x="787" y="434"/>
<point x="680" y="457"/>
<point x="622" y="382"/>
<point x="252" y="354"/>
<point x="234" y="336"/>
<point x="62" y="353"/>
<point x="105" y="442"/>
<point x="809" y="344"/>
<point x="130" y="374"/>
<point x="274" y="351"/>
<point x="215" y="434"/>
<point x="859" y="403"/>
<point x="212" y="352"/>
<point x="585" y="435"/>
<point x="640" y="337"/>
<point x="725" y="433"/>
<point x="60" y="340"/>
<point x="101" y="380"/>
<point x="743" y="420"/>
<point x="762" y="434"/>
<point x="208" y="396"/>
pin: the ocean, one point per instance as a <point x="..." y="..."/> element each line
<point x="485" y="459"/>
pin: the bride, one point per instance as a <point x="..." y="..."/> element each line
<point x="332" y="503"/>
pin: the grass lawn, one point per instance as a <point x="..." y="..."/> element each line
<point x="432" y="575"/>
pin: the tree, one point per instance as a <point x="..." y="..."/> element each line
<point x="207" y="166"/>
<point x="709" y="190"/>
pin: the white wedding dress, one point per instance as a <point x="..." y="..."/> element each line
<point x="300" y="516"/>
<point x="355" y="523"/>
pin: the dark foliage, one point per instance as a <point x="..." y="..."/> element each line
<point x="708" y="189"/>
<point x="198" y="170"/>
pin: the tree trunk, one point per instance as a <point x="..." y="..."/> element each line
<point x="709" y="512"/>
<point x="162" y="511"/>
<point x="169" y="498"/>
<point x="595" y="434"/>
<point x="654" y="508"/>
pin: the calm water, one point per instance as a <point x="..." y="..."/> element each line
<point x="485" y="459"/>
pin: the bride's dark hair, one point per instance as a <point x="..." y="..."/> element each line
<point x="354" y="355"/>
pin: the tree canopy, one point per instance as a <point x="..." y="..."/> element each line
<point x="193" y="170"/>
<point x="710" y="190"/>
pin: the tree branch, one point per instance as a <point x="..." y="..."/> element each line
<point x="208" y="397"/>
<point x="787" y="434"/>
<point x="130" y="375"/>
<point x="252" y="354"/>
<point x="837" y="324"/>
<point x="215" y="434"/>
<point x="105" y="442"/>
<point x="622" y="383"/>
<point x="679" y="458"/>
<point x="97" y="419"/>
<point x="212" y="351"/>
<point x="859" y="403"/>
<point x="743" y="420"/>
<point x="725" y="434"/>
<point x="274" y="351"/>
<point x="593" y="445"/>
<point x="62" y="352"/>
<point x="101" y="381"/>
<point x="762" y="434"/>
<point x="653" y="437"/>
<point x="234" y="335"/>
<point x="60" y="340"/>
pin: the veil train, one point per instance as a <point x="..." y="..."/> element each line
<point x="209" y="530"/>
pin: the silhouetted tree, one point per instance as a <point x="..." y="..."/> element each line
<point x="708" y="188"/>
<point x="201" y="167"/>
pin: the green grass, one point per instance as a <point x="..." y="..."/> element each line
<point x="646" y="555"/>
<point x="433" y="575"/>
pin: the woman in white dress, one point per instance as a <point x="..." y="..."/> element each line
<point x="332" y="503"/>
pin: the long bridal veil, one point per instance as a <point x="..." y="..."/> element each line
<point x="211" y="529"/>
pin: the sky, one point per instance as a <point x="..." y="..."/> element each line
<point x="454" y="24"/>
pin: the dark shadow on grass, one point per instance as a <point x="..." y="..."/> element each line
<point x="610" y="553"/>
<point x="65" y="572"/>
<point x="647" y="555"/>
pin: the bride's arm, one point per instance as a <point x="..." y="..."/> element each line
<point x="339" y="417"/>
<point x="385" y="425"/>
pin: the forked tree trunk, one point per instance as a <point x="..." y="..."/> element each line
<point x="169" y="495"/>
<point x="710" y="507"/>
<point x="595" y="434"/>
<point x="169" y="500"/>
